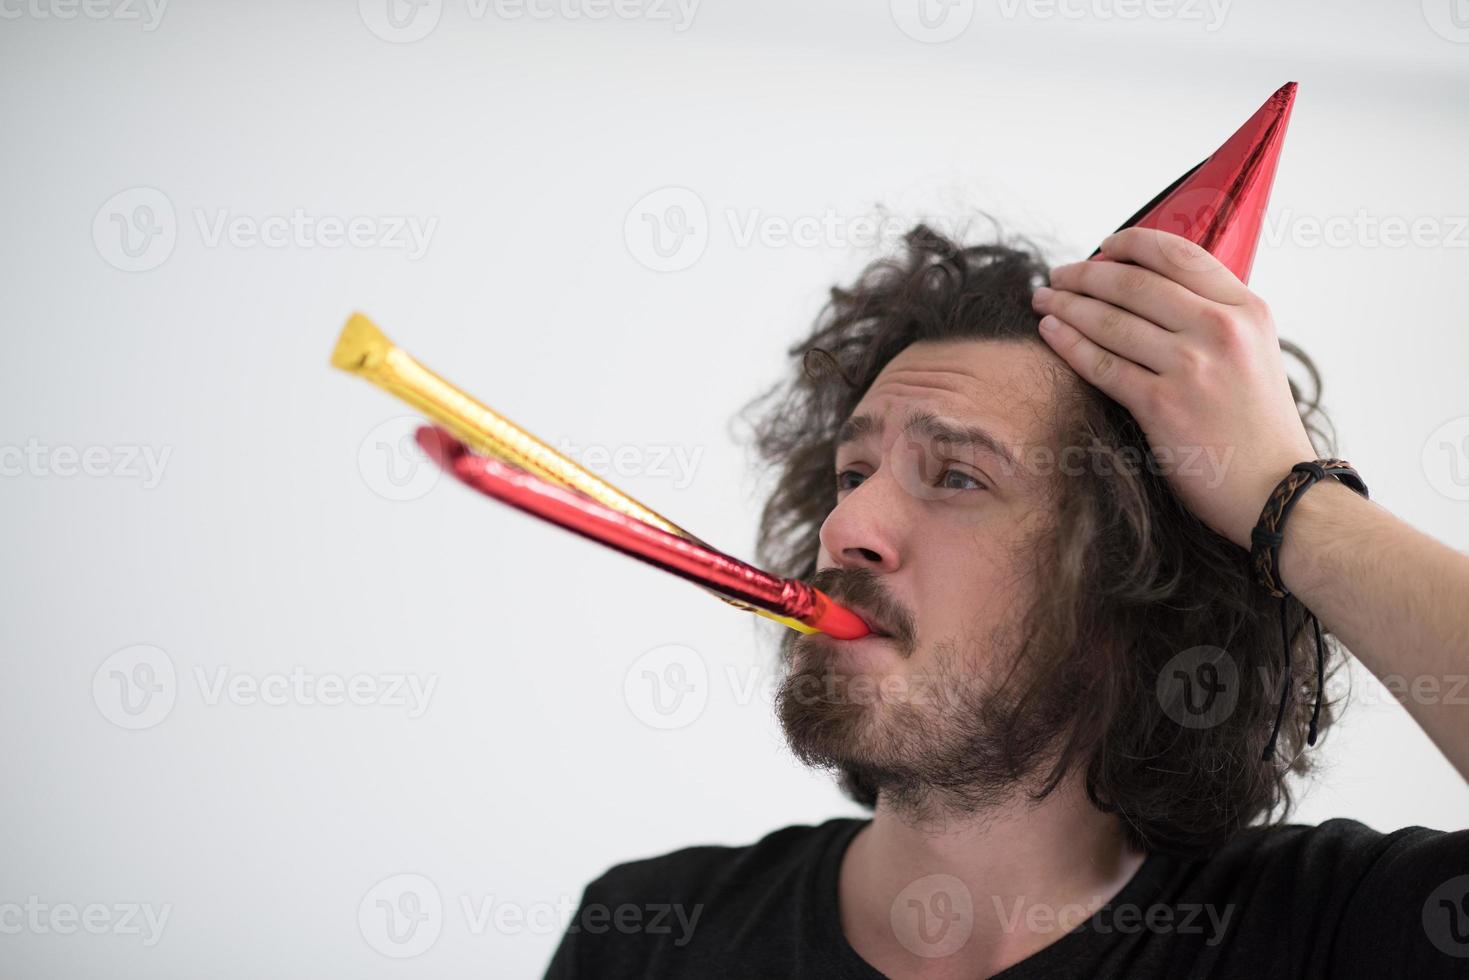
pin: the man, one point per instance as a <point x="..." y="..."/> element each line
<point x="1042" y="499"/>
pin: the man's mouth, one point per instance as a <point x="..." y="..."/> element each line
<point x="878" y="629"/>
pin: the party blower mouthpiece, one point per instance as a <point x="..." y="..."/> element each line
<point x="364" y="350"/>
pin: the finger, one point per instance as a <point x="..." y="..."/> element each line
<point x="1176" y="258"/>
<point x="1147" y="294"/>
<point x="1111" y="327"/>
<point x="1116" y="376"/>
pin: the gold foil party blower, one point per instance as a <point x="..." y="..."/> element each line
<point x="364" y="350"/>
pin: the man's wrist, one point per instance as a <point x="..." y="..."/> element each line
<point x="1308" y="535"/>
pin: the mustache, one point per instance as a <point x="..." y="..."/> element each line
<point x="861" y="587"/>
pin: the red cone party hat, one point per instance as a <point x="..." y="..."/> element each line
<point x="1220" y="204"/>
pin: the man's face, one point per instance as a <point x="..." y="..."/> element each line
<point x="928" y="541"/>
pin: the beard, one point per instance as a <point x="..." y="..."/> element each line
<point x="960" y="737"/>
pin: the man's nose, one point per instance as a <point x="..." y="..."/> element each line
<point x="862" y="530"/>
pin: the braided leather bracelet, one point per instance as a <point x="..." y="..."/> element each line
<point x="1265" y="542"/>
<point x="1267" y="535"/>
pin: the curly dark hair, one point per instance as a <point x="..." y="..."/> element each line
<point x="1133" y="578"/>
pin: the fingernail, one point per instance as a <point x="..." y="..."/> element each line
<point x="1048" y="323"/>
<point x="1042" y="294"/>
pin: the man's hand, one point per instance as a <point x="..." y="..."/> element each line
<point x="1172" y="335"/>
<point x="1181" y="343"/>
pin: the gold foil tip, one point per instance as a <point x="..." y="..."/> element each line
<point x="361" y="346"/>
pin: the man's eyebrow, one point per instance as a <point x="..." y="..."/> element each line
<point x="930" y="426"/>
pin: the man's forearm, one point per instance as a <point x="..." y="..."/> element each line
<point x="1398" y="599"/>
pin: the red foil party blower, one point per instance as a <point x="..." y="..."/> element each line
<point x="695" y="562"/>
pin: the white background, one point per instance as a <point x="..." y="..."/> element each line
<point x="273" y="538"/>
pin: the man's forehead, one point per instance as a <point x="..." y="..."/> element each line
<point x="1010" y="386"/>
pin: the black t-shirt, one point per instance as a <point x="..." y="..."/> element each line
<point x="1293" y="901"/>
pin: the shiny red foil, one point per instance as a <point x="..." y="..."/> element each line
<point x="697" y="563"/>
<point x="1220" y="204"/>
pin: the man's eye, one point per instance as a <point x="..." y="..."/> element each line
<point x="952" y="479"/>
<point x="949" y="479"/>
